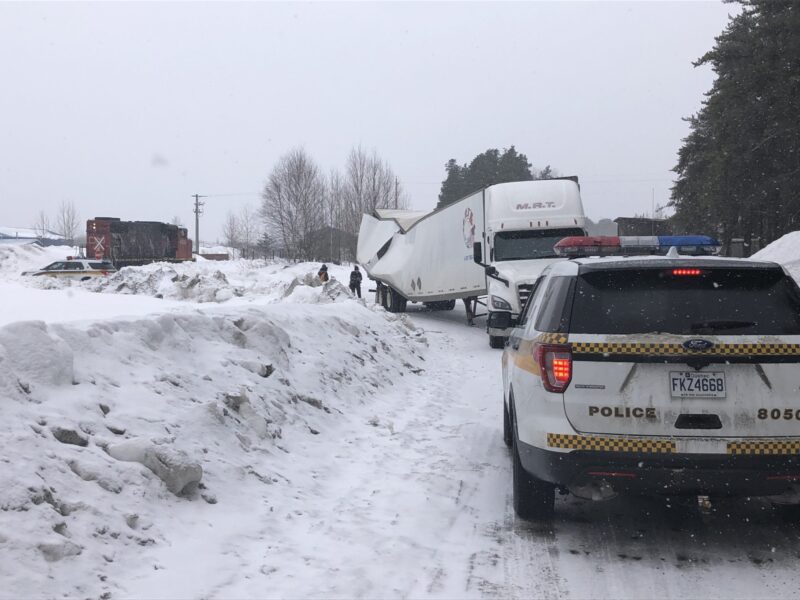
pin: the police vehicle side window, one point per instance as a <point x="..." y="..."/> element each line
<point x="553" y="317"/>
<point x="56" y="266"/>
<point x="528" y="308"/>
<point x="73" y="266"/>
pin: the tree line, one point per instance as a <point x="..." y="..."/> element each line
<point x="738" y="170"/>
<point x="308" y="214"/>
<point x="488" y="168"/>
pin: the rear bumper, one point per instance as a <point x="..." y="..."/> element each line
<point x="670" y="474"/>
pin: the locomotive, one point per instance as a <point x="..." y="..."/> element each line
<point x="131" y="243"/>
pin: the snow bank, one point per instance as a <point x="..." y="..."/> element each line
<point x="199" y="282"/>
<point x="123" y="437"/>
<point x="213" y="281"/>
<point x="785" y="251"/>
<point x="15" y="259"/>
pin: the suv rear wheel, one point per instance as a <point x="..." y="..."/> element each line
<point x="534" y="499"/>
<point x="507" y="426"/>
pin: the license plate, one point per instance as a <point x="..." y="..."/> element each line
<point x="689" y="384"/>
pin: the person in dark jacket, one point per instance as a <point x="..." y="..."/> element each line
<point x="355" y="281"/>
<point x="323" y="273"/>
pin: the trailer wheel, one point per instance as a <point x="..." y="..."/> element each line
<point x="395" y="302"/>
<point x="497" y="341"/>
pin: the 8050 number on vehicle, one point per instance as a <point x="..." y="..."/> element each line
<point x="775" y="414"/>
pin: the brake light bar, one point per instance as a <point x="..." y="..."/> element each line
<point x="611" y="245"/>
<point x="687" y="272"/>
<point x="555" y="366"/>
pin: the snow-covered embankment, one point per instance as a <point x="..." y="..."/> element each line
<point x="121" y="437"/>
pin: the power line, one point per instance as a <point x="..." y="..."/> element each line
<point x="232" y="194"/>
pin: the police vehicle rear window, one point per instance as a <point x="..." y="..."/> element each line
<point x="686" y="301"/>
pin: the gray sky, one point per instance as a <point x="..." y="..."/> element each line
<point x="128" y="109"/>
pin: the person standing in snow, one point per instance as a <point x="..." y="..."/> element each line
<point x="355" y="281"/>
<point x="323" y="273"/>
<point x="470" y="304"/>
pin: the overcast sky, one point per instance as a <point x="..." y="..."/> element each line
<point x="128" y="109"/>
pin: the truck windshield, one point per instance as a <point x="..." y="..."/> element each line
<point x="527" y="244"/>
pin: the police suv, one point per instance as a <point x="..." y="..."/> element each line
<point x="75" y="268"/>
<point x="674" y="372"/>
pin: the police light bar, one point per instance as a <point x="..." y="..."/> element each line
<point x="607" y="245"/>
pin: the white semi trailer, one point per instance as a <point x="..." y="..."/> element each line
<point x="438" y="257"/>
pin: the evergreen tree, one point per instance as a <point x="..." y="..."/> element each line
<point x="485" y="169"/>
<point x="453" y="186"/>
<point x="513" y="166"/>
<point x="739" y="167"/>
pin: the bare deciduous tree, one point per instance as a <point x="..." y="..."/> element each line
<point x="248" y="231"/>
<point x="231" y="231"/>
<point x="370" y="183"/>
<point x="42" y="225"/>
<point x="176" y="220"/>
<point x="67" y="221"/>
<point x="292" y="202"/>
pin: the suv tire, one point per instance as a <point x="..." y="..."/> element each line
<point x="507" y="426"/>
<point x="534" y="499"/>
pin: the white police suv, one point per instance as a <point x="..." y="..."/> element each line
<point x="75" y="268"/>
<point x="667" y="373"/>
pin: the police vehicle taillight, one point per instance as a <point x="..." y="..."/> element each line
<point x="686" y="272"/>
<point x="694" y="245"/>
<point x="555" y="365"/>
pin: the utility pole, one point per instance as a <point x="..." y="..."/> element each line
<point x="396" y="187"/>
<point x="198" y="210"/>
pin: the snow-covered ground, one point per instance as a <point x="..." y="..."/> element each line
<point x="255" y="434"/>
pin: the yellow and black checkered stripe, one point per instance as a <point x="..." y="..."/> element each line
<point x="610" y="444"/>
<point x="751" y="447"/>
<point x="657" y="349"/>
<point x="552" y="338"/>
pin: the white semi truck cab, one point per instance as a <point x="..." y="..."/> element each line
<point x="494" y="242"/>
<point x="524" y="220"/>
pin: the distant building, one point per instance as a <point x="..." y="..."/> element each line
<point x="22" y="235"/>
<point x="643" y="226"/>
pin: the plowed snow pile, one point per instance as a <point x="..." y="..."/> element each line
<point x="125" y="437"/>
<point x="785" y="251"/>
<point x="203" y="281"/>
<point x="29" y="257"/>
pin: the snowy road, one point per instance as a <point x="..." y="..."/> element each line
<point x="623" y="548"/>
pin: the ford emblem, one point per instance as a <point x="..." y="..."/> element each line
<point x="698" y="345"/>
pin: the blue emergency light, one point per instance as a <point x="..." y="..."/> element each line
<point x="692" y="245"/>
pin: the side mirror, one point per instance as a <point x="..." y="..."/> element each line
<point x="490" y="270"/>
<point x="477" y="252"/>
